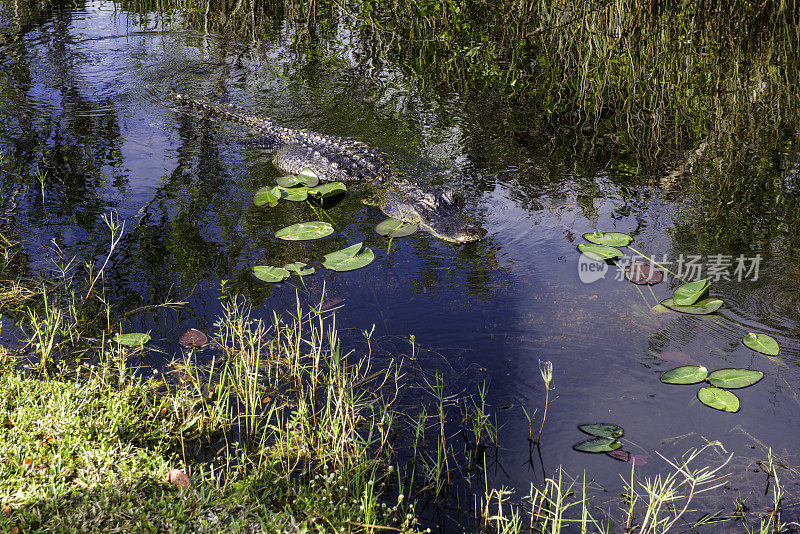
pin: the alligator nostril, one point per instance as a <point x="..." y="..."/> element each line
<point x="476" y="232"/>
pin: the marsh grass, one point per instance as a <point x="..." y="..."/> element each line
<point x="278" y="430"/>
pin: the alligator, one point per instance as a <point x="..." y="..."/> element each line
<point x="436" y="210"/>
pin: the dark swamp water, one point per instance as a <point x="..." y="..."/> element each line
<point x="74" y="104"/>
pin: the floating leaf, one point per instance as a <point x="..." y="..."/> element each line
<point x="600" y="252"/>
<point x="268" y="196"/>
<point x="687" y="374"/>
<point x="719" y="399"/>
<point x="603" y="430"/>
<point x="641" y="273"/>
<point x="193" y="338"/>
<point x="132" y="340"/>
<point x="307" y="178"/>
<point x="305" y="231"/>
<point x="308" y="175"/>
<point x="295" y="194"/>
<point x="612" y="239"/>
<point x="688" y="294"/>
<point x="328" y="190"/>
<point x="734" y="378"/>
<point x="704" y="307"/>
<point x="597" y="445"/>
<point x="395" y="228"/>
<point x="297" y="267"/>
<point x="761" y="343"/>
<point x="349" y="258"/>
<point x="267" y="273"/>
<point x="625" y="456"/>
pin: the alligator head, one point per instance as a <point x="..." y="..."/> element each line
<point x="438" y="211"/>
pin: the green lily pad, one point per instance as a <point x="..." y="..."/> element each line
<point x="295" y="194"/>
<point x="328" y="190"/>
<point x="686" y="374"/>
<point x="131" y="340"/>
<point x="395" y="228"/>
<point x="268" y="196"/>
<point x="603" y="430"/>
<point x="719" y="399"/>
<point x="267" y="273"/>
<point x="307" y="177"/>
<point x="600" y="252"/>
<point x="612" y="239"/>
<point x="297" y="268"/>
<point x="305" y="231"/>
<point x="348" y="259"/>
<point x="704" y="307"/>
<point x="688" y="294"/>
<point x="597" y="445"/>
<point x="761" y="343"/>
<point x="734" y="378"/>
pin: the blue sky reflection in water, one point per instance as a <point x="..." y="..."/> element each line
<point x="74" y="104"/>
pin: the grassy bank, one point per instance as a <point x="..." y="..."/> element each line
<point x="276" y="430"/>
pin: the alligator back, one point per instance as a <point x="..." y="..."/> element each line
<point x="331" y="158"/>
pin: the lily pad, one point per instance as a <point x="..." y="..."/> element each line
<point x="307" y="178"/>
<point x="704" y="307"/>
<point x="734" y="378"/>
<point x="603" y="430"/>
<point x="308" y="175"/>
<point x="597" y="445"/>
<point x="600" y="252"/>
<point x="295" y="194"/>
<point x="328" y="190"/>
<point x="268" y="196"/>
<point x="348" y="259"/>
<point x="643" y="273"/>
<point x="688" y="294"/>
<point x="267" y="273"/>
<point x="395" y="228"/>
<point x="297" y="268"/>
<point x="686" y="374"/>
<point x="131" y="340"/>
<point x="761" y="343"/>
<point x="612" y="239"/>
<point x="625" y="456"/>
<point x="719" y="399"/>
<point x="305" y="231"/>
<point x="193" y="338"/>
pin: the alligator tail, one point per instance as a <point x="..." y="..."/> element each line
<point x="278" y="135"/>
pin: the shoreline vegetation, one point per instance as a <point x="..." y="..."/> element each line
<point x="276" y="426"/>
<point x="279" y="428"/>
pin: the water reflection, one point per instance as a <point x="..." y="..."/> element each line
<point x="76" y="114"/>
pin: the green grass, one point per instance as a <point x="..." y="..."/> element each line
<point x="277" y="433"/>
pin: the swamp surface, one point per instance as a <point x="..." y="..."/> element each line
<point x="708" y="181"/>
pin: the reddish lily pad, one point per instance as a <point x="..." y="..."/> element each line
<point x="625" y="456"/>
<point x="643" y="273"/>
<point x="193" y="339"/>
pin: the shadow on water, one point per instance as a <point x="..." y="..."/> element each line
<point x="559" y="152"/>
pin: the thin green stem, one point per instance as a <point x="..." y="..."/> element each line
<point x="654" y="262"/>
